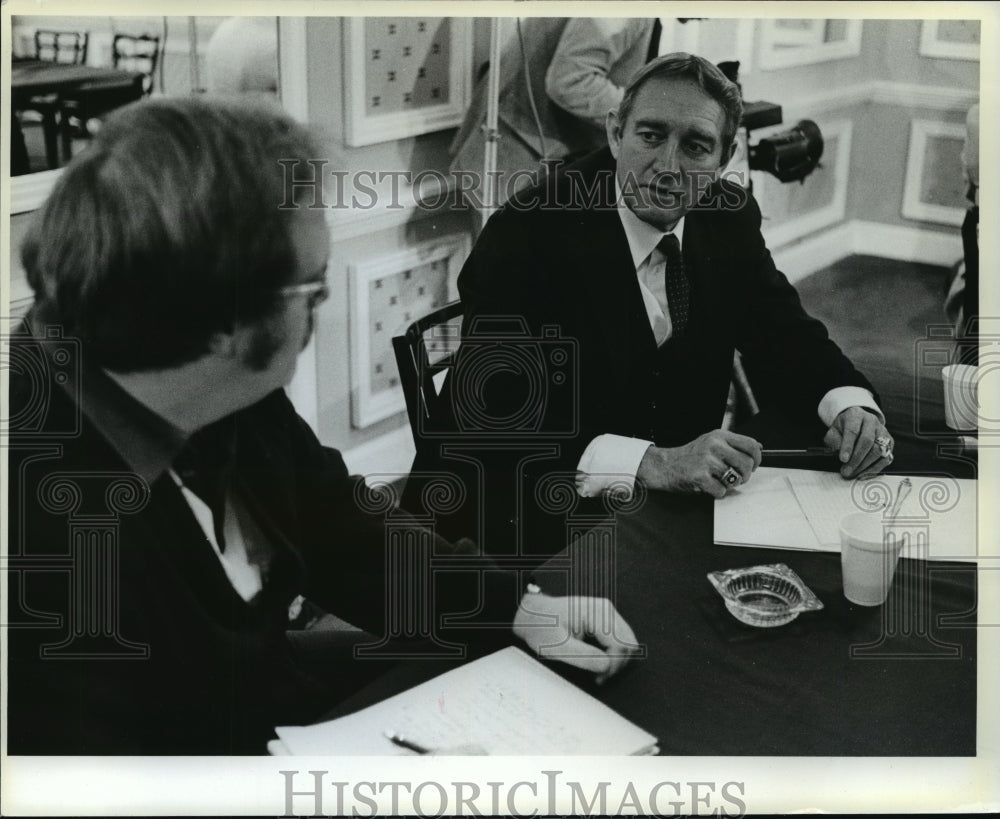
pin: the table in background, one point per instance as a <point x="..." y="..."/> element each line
<point x="35" y="78"/>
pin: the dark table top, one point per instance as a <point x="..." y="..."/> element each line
<point x="33" y="77"/>
<point x="892" y="680"/>
<point x="897" y="680"/>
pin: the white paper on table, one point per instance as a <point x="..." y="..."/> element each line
<point x="802" y="509"/>
<point x="506" y="703"/>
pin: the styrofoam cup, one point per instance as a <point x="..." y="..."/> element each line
<point x="869" y="550"/>
<point x="961" y="396"/>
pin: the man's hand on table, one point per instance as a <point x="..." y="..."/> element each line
<point x="702" y="464"/>
<point x="555" y="628"/>
<point x="863" y="444"/>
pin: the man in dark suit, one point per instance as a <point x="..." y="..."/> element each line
<point x="649" y="271"/>
<point x="168" y="508"/>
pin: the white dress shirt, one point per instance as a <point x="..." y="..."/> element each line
<point x="247" y="554"/>
<point x="613" y="460"/>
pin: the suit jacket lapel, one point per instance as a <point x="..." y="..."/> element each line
<point x="702" y="260"/>
<point x="609" y="278"/>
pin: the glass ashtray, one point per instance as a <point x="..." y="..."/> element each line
<point x="764" y="596"/>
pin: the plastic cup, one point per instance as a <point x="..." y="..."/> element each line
<point x="961" y="396"/>
<point x="869" y="550"/>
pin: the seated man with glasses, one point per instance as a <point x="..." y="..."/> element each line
<point x="168" y="508"/>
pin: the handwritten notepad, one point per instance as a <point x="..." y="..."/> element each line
<point x="506" y="703"/>
<point x="802" y="509"/>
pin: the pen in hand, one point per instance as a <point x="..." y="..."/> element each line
<point x="400" y="741"/>
<point x="809" y="450"/>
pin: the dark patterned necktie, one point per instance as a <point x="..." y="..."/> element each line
<point x="677" y="285"/>
<point x="205" y="466"/>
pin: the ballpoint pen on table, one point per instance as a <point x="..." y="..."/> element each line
<point x="809" y="450"/>
<point x="399" y="740"/>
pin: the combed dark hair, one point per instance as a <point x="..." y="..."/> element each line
<point x="168" y="229"/>
<point x="689" y="66"/>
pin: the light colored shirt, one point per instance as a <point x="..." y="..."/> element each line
<point x="613" y="460"/>
<point x="247" y="553"/>
<point x="593" y="62"/>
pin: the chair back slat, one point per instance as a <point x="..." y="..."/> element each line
<point x="421" y="365"/>
<point x="69" y="47"/>
<point x="140" y="54"/>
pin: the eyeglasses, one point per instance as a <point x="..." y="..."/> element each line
<point x="315" y="292"/>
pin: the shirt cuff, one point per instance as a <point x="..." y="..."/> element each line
<point x="840" y="398"/>
<point x="609" y="461"/>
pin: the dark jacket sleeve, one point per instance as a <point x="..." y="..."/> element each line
<point x="789" y="357"/>
<point x="375" y="565"/>
<point x="508" y="415"/>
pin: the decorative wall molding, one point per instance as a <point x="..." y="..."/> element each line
<point x="781" y="234"/>
<point x="293" y="89"/>
<point x="410" y="203"/>
<point x="28" y="192"/>
<point x="914" y="207"/>
<point x="801" y="259"/>
<point x="293" y="72"/>
<point x="913" y="95"/>
<point x="904" y="243"/>
<point x="882" y="92"/>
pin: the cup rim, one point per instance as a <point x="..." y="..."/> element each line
<point x="858" y="541"/>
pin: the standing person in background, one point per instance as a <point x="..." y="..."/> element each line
<point x="242" y="57"/>
<point x="559" y="78"/>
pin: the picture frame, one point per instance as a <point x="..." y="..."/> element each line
<point x="784" y="47"/>
<point x="935" y="42"/>
<point x="915" y="205"/>
<point x="413" y="281"/>
<point x="404" y="76"/>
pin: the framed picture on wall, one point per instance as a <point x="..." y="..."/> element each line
<point x="950" y="39"/>
<point x="793" y="42"/>
<point x="387" y="294"/>
<point x="404" y="76"/>
<point x="934" y="186"/>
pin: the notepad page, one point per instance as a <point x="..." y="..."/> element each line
<point x="506" y="702"/>
<point x="825" y="498"/>
<point x="947" y="505"/>
<point x="765" y="513"/>
<point x="802" y="509"/>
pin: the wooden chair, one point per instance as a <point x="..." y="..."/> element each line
<point x="68" y="48"/>
<point x="140" y="54"/>
<point x="81" y="112"/>
<point x="424" y="354"/>
<point x="423" y="364"/>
